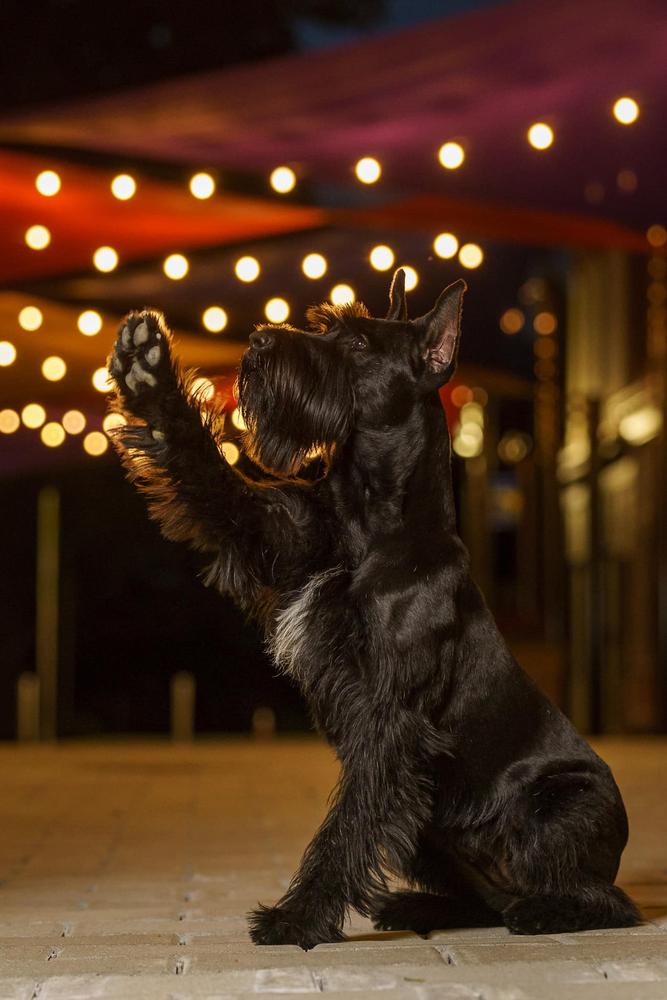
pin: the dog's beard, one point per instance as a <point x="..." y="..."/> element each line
<point x="296" y="400"/>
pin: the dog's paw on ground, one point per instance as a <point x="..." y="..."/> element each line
<point x="409" y="911"/>
<point x="278" y="925"/>
<point x="140" y="356"/>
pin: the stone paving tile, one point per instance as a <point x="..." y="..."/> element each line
<point x="126" y="870"/>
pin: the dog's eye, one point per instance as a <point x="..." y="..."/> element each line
<point x="359" y="343"/>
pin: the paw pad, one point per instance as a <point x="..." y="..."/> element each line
<point x="140" y="358"/>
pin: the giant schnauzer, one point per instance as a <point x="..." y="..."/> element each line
<point x="457" y="774"/>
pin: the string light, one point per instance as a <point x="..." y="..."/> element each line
<point x="202" y="186"/>
<point x="102" y="380"/>
<point x="368" y="170"/>
<point x="214" y="319"/>
<point x="276" y="310"/>
<point x="30" y="318"/>
<point x="282" y="179"/>
<point x="540" y="135"/>
<point x="89" y="322"/>
<point x="176" y="266"/>
<point x="230" y="452"/>
<point x="247" y="268"/>
<point x="9" y="421"/>
<point x="625" y="110"/>
<point x="341" y="295"/>
<point x="73" y="421"/>
<point x="95" y="443"/>
<point x="33" y="415"/>
<point x="123" y="187"/>
<point x="314" y="265"/>
<point x="382" y="257"/>
<point x="37" y="237"/>
<point x="451" y="155"/>
<point x="48" y="183"/>
<point x="7" y="353"/>
<point x="445" y="245"/>
<point x="545" y="323"/>
<point x="105" y="259"/>
<point x="52" y="434"/>
<point x="411" y="277"/>
<point x="471" y="255"/>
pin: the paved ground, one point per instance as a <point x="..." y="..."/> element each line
<point x="126" y="870"/>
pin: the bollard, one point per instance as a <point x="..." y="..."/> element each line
<point x="182" y="706"/>
<point x="27" y="707"/>
<point x="263" y="723"/>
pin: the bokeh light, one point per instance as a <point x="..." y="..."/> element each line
<point x="30" y="318"/>
<point x="625" y="110"/>
<point x="202" y="186"/>
<point x="214" y="319"/>
<point x="89" y="322"/>
<point x="341" y="295"/>
<point x="276" y="310"/>
<point x="203" y="389"/>
<point x="9" y="421"/>
<point x="7" y="353"/>
<point x="512" y="321"/>
<point x="314" y="265"/>
<point x="37" y="237"/>
<point x="176" y="266"/>
<point x="411" y="277"/>
<point x="282" y="179"/>
<point x="451" y="155"/>
<point x="247" y="268"/>
<point x="382" y="257"/>
<point x="445" y="245"/>
<point x="52" y="434"/>
<point x="54" y="368"/>
<point x="113" y="420"/>
<point x="102" y="380"/>
<point x="545" y="323"/>
<point x="74" y="421"/>
<point x="237" y="420"/>
<point x="48" y="183"/>
<point x="471" y="255"/>
<point x="105" y="259"/>
<point x="540" y="135"/>
<point x="368" y="170"/>
<point x="33" y="415"/>
<point x="95" y="443"/>
<point x="123" y="187"/>
<point x="230" y="452"/>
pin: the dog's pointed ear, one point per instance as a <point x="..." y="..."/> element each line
<point x="398" y="307"/>
<point x="439" y="331"/>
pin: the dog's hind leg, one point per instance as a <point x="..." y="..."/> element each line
<point x="592" y="907"/>
<point x="422" y="912"/>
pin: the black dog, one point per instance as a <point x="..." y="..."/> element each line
<point x="457" y="773"/>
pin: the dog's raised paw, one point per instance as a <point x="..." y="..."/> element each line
<point x="141" y="353"/>
<point x="279" y="925"/>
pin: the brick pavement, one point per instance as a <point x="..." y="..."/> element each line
<point x="126" y="868"/>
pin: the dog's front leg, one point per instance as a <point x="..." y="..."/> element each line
<point x="171" y="448"/>
<point x="384" y="799"/>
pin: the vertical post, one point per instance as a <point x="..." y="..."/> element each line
<point x="182" y="706"/>
<point x="46" y="623"/>
<point x="27" y="707"/>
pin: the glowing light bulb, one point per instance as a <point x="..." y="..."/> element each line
<point x="411" y="277"/>
<point x="73" y="421"/>
<point x="37" y="237"/>
<point x="314" y="265"/>
<point x="9" y="421"/>
<point x="382" y="257"/>
<point x="451" y="155"/>
<point x="368" y="170"/>
<point x="282" y="179"/>
<point x="33" y="415"/>
<point x="540" y="135"/>
<point x="102" y="380"/>
<point x="105" y="259"/>
<point x="202" y="186"/>
<point x="54" y="368"/>
<point x="176" y="266"/>
<point x="230" y="452"/>
<point x="246" y="268"/>
<point x="30" y="318"/>
<point x="470" y="255"/>
<point x="276" y="310"/>
<point x="341" y="295"/>
<point x="123" y="187"/>
<point x="48" y="183"/>
<point x="95" y="443"/>
<point x="52" y="434"/>
<point x="214" y="319"/>
<point x="625" y="110"/>
<point x="89" y="322"/>
<point x="7" y="353"/>
<point x="445" y="245"/>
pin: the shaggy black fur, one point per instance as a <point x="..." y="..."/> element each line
<point x="456" y="773"/>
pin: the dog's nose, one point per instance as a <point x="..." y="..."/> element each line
<point x="261" y="340"/>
